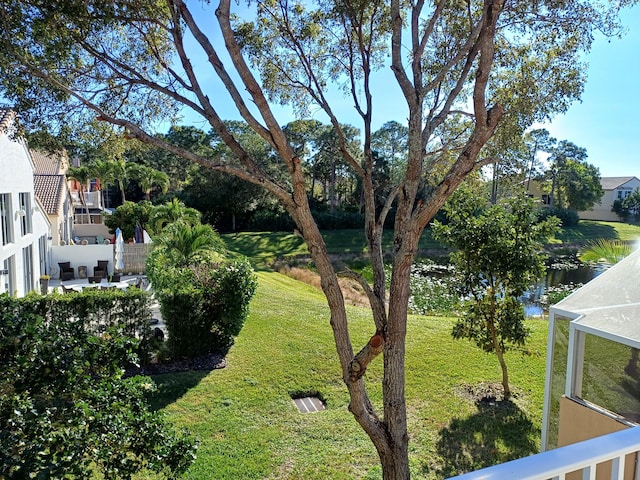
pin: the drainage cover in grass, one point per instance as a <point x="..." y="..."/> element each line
<point x="309" y="404"/>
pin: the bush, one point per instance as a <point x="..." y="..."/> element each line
<point x="65" y="407"/>
<point x="568" y="218"/>
<point x="94" y="309"/>
<point x="204" y="306"/>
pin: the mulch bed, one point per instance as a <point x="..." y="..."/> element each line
<point x="211" y="361"/>
<point x="485" y="393"/>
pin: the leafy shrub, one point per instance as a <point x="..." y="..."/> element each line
<point x="66" y="408"/>
<point x="567" y="217"/>
<point x="127" y="216"/>
<point x="96" y="310"/>
<point x="204" y="305"/>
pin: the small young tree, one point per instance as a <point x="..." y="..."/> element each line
<point x="127" y="216"/>
<point x="498" y="256"/>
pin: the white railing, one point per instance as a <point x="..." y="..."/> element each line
<point x="556" y="464"/>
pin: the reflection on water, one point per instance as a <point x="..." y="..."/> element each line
<point x="575" y="276"/>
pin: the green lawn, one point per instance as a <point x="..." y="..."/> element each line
<point x="588" y="230"/>
<point x="249" y="428"/>
<point x="262" y="248"/>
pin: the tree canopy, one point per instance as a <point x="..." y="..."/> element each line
<point x="466" y="71"/>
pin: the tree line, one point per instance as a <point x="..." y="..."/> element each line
<point x="141" y="172"/>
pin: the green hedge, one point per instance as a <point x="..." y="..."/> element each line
<point x="66" y="408"/>
<point x="97" y="310"/>
<point x="204" y="306"/>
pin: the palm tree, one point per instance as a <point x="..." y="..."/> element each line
<point x="172" y="212"/>
<point x="104" y="171"/>
<point x="121" y="173"/>
<point x="82" y="175"/>
<point x="148" y="178"/>
<point x="605" y="250"/>
<point x="184" y="243"/>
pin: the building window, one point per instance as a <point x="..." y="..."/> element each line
<point x="25" y="214"/>
<point x="42" y="254"/>
<point x="27" y="261"/>
<point x="10" y="277"/>
<point x="6" y="222"/>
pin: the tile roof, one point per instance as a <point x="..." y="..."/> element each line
<point x="48" y="163"/>
<point x="611" y="183"/>
<point x="48" y="189"/>
<point x="6" y="117"/>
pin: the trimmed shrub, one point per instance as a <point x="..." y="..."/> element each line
<point x="94" y="310"/>
<point x="204" y="306"/>
<point x="568" y="218"/>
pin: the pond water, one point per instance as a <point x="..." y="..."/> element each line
<point x="557" y="277"/>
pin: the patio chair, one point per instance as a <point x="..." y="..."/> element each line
<point x="95" y="279"/>
<point x="101" y="269"/>
<point x="67" y="289"/>
<point x="67" y="272"/>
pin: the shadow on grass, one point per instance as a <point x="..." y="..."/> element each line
<point x="498" y="433"/>
<point x="586" y="231"/>
<point x="171" y="386"/>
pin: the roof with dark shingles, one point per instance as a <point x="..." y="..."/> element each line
<point x="47" y="163"/>
<point x="611" y="183"/>
<point x="48" y="189"/>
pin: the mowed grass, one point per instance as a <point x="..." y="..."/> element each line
<point x="249" y="428"/>
<point x="262" y="248"/>
<point x="588" y="230"/>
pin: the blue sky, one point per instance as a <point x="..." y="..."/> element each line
<point x="607" y="122"/>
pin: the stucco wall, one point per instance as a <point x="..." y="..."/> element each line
<point x="602" y="210"/>
<point x="17" y="168"/>
<point x="578" y="422"/>
<point x="81" y="255"/>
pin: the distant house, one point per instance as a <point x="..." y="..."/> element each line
<point x="25" y="230"/>
<point x="615" y="188"/>
<point x="50" y="183"/>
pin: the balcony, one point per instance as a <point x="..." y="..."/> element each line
<point x="612" y="456"/>
<point x="92" y="199"/>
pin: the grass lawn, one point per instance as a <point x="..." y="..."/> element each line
<point x="262" y="248"/>
<point x="249" y="428"/>
<point x="588" y="230"/>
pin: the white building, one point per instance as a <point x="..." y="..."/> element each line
<point x="25" y="230"/>
<point x="615" y="188"/>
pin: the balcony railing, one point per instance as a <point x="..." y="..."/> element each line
<point x="582" y="457"/>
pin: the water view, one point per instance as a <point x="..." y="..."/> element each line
<point x="560" y="277"/>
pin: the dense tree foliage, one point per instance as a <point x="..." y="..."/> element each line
<point x="575" y="184"/>
<point x="127" y="217"/>
<point x="462" y="73"/>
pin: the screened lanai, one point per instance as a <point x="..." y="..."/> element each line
<point x="593" y="377"/>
